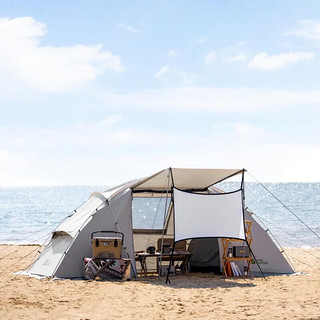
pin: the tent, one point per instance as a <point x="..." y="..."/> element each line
<point x="194" y="210"/>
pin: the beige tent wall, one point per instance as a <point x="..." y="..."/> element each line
<point x="51" y="255"/>
<point x="71" y="265"/>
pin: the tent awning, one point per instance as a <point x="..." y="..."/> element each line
<point x="185" y="179"/>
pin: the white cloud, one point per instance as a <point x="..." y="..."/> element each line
<point x="236" y="58"/>
<point x="169" y="74"/>
<point x="12" y="167"/>
<point x="162" y="72"/>
<point x="100" y="135"/>
<point x="99" y="153"/>
<point x="265" y="62"/>
<point x="209" y="58"/>
<point x="309" y="29"/>
<point x="110" y="121"/>
<point x="127" y="27"/>
<point x="215" y="99"/>
<point x="173" y="53"/>
<point x="201" y="39"/>
<point x="89" y="152"/>
<point x="238" y="128"/>
<point x="24" y="61"/>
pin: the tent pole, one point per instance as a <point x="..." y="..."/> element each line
<point x="170" y="264"/>
<point x="243" y="210"/>
<point x="242" y="180"/>
<point x="174" y="228"/>
<point x="255" y="259"/>
<point x="164" y="222"/>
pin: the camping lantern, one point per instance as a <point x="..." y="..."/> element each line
<point x="151" y="248"/>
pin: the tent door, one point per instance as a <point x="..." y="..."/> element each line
<point x="205" y="255"/>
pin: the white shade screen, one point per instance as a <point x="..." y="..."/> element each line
<point x="214" y="215"/>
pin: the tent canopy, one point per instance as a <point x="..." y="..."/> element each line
<point x="184" y="179"/>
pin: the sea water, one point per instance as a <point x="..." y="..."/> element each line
<point x="30" y="214"/>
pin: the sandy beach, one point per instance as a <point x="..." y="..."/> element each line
<point x="192" y="296"/>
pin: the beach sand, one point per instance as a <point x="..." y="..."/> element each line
<point x="192" y="296"/>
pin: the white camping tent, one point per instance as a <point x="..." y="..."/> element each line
<point x="195" y="210"/>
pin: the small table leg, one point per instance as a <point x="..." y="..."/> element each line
<point x="143" y="264"/>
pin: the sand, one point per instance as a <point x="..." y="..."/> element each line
<point x="192" y="296"/>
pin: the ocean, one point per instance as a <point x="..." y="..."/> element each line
<point x="29" y="214"/>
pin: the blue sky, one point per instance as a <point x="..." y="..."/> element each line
<point x="100" y="92"/>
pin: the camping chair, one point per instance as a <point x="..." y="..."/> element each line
<point x="180" y="246"/>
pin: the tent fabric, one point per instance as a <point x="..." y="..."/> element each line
<point x="71" y="240"/>
<point x="51" y="256"/>
<point x="208" y="216"/>
<point x="73" y="222"/>
<point x="112" y="192"/>
<point x="185" y="179"/>
<point x="269" y="257"/>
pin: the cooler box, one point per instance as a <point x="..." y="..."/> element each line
<point x="106" y="247"/>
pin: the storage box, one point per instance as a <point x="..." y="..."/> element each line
<point x="241" y="252"/>
<point x="106" y="247"/>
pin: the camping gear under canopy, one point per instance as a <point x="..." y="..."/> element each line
<point x="194" y="209"/>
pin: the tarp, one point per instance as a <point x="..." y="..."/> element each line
<point x="185" y="179"/>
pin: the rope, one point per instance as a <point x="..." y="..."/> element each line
<point x="38" y="247"/>
<point x="32" y="262"/>
<point x="276" y="240"/>
<point x="290" y="243"/>
<point x="286" y="207"/>
<point x="301" y="262"/>
<point x="32" y="233"/>
<point x="124" y="241"/>
<point x="154" y="222"/>
<point x="19" y="260"/>
<point x="54" y="241"/>
<point x="291" y="235"/>
<point x="74" y="211"/>
<point x="35" y="232"/>
<point x="9" y="254"/>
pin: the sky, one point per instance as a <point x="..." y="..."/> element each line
<point x="102" y="92"/>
